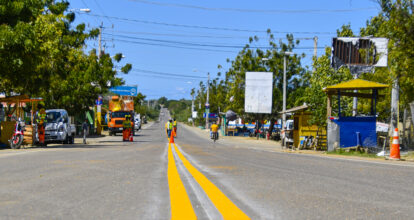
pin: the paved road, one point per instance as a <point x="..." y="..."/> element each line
<point x="150" y="179"/>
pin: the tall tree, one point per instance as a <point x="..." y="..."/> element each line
<point x="41" y="54"/>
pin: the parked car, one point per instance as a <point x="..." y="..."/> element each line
<point x="287" y="133"/>
<point x="137" y="123"/>
<point x="58" y="128"/>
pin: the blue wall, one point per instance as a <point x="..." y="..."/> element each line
<point x="349" y="126"/>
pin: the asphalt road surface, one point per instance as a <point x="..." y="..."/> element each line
<point x="196" y="178"/>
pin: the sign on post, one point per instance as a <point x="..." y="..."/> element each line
<point x="258" y="95"/>
<point x="125" y="90"/>
<point x="210" y="115"/>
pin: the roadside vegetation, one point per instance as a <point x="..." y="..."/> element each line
<point x="42" y="54"/>
<point x="394" y="21"/>
<point x="356" y="153"/>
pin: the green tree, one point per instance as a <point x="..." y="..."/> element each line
<point x="323" y="76"/>
<point x="396" y="22"/>
<point x="249" y="60"/>
<point x="41" y="54"/>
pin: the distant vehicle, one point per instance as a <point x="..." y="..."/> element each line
<point x="137" y="122"/>
<point x="287" y="133"/>
<point x="119" y="107"/>
<point x="58" y="128"/>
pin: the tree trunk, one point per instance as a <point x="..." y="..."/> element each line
<point x="272" y="122"/>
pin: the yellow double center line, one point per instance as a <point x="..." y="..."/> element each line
<point x="182" y="205"/>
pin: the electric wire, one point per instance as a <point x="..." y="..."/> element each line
<point x="203" y="44"/>
<point x="209" y="27"/>
<point x="274" y="11"/>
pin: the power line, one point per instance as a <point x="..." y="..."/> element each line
<point x="203" y="35"/>
<point x="101" y="9"/>
<point x="208" y="27"/>
<point x="273" y="11"/>
<point x="204" y="44"/>
<point x="167" y="74"/>
<point x="173" y="46"/>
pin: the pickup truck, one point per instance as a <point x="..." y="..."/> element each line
<point x="58" y="128"/>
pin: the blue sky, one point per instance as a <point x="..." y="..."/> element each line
<point x="163" y="38"/>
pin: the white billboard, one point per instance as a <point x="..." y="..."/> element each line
<point x="258" y="93"/>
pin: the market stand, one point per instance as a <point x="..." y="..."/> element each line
<point x="16" y="103"/>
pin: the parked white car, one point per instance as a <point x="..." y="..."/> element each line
<point x="137" y="123"/>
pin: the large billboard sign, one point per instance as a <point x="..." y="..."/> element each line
<point x="258" y="95"/>
<point x="125" y="90"/>
<point x="359" y="54"/>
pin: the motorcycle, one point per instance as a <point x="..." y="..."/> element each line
<point x="18" y="135"/>
<point x="214" y="136"/>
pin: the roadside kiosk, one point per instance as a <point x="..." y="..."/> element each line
<point x="303" y="132"/>
<point x="16" y="104"/>
<point x="352" y="131"/>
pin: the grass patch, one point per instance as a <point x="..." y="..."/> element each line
<point x="353" y="153"/>
<point x="409" y="156"/>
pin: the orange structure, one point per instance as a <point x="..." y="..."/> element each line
<point x="119" y="107"/>
<point x="395" y="147"/>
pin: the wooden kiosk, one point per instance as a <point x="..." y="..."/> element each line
<point x="15" y="104"/>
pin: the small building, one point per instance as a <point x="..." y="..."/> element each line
<point x="303" y="131"/>
<point x="352" y="131"/>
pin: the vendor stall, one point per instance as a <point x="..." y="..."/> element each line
<point x="15" y="108"/>
<point x="303" y="133"/>
<point x="355" y="131"/>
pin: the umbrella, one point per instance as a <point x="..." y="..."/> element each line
<point x="230" y="115"/>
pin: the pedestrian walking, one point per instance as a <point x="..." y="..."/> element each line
<point x="85" y="128"/>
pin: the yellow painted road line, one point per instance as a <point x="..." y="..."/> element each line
<point x="181" y="207"/>
<point x="223" y="204"/>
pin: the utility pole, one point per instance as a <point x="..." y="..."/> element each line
<point x="207" y="103"/>
<point x="395" y="99"/>
<point x="100" y="40"/>
<point x="192" y="108"/>
<point x="284" y="90"/>
<point x="315" y="46"/>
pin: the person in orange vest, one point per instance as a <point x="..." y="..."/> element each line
<point x="41" y="121"/>
<point x="175" y="127"/>
<point x="126" y="125"/>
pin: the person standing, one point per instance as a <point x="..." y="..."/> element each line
<point x="40" y="121"/>
<point x="85" y="128"/>
<point x="169" y="127"/>
<point x="175" y="127"/>
<point x="126" y="125"/>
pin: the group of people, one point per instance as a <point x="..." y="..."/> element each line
<point x="171" y="126"/>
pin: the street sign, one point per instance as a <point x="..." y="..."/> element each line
<point x="259" y="92"/>
<point x="125" y="90"/>
<point x="99" y="101"/>
<point x="210" y="115"/>
<point x="194" y="114"/>
<point x="207" y="106"/>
